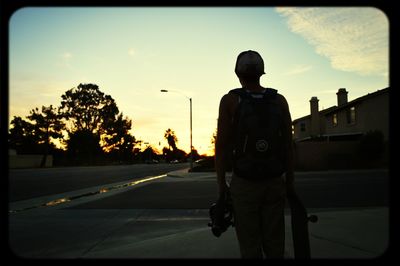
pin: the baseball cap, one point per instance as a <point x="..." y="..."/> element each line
<point x="249" y="63"/>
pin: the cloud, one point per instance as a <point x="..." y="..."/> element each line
<point x="131" y="52"/>
<point x="353" y="39"/>
<point x="67" y="56"/>
<point x="298" y="69"/>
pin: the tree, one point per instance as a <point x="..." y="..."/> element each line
<point x="89" y="111"/>
<point x="149" y="154"/>
<point x="34" y="136"/>
<point x="21" y="137"/>
<point x="179" y="155"/>
<point x="118" y="140"/>
<point x="171" y="138"/>
<point x="196" y="154"/>
<point x="91" y="119"/>
<point x="46" y="125"/>
<point x="87" y="108"/>
<point x="83" y="147"/>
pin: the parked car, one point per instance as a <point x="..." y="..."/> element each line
<point x="204" y="165"/>
<point x="151" y="161"/>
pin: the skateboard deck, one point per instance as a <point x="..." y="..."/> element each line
<point x="299" y="222"/>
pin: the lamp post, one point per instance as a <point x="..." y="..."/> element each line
<point x="191" y="145"/>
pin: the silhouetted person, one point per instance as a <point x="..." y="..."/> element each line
<point x="255" y="134"/>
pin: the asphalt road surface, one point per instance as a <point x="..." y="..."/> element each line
<point x="168" y="217"/>
<point x="325" y="189"/>
<point x="30" y="183"/>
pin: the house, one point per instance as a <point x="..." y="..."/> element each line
<point x="331" y="138"/>
<point x="347" y="120"/>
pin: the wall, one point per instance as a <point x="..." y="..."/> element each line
<point x="313" y="155"/>
<point x="29" y="161"/>
<point x="371" y="114"/>
<point x="374" y="114"/>
<point x="298" y="134"/>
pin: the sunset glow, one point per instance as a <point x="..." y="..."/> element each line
<point x="133" y="53"/>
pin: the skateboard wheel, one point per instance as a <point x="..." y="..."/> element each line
<point x="313" y="218"/>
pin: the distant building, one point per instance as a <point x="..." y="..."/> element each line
<point x="333" y="138"/>
<point x="347" y="120"/>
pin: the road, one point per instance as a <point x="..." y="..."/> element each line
<point x="167" y="217"/>
<point x="325" y="189"/>
<point x="351" y="188"/>
<point x="30" y="183"/>
<point x="318" y="190"/>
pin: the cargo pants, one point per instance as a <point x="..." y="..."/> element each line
<point x="259" y="216"/>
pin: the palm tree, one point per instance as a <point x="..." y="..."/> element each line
<point x="169" y="135"/>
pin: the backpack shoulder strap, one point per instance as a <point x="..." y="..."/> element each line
<point x="240" y="92"/>
<point x="270" y="93"/>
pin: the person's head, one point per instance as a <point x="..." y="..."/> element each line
<point x="249" y="67"/>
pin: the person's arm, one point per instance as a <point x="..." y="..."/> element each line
<point x="222" y="143"/>
<point x="287" y="125"/>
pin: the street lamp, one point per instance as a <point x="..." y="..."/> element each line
<point x="191" y="145"/>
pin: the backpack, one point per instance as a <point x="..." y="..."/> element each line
<point x="258" y="144"/>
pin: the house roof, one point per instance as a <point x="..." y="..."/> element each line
<point x="351" y="103"/>
<point x="322" y="112"/>
<point x="358" y="100"/>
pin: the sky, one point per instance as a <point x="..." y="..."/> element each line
<point x="132" y="53"/>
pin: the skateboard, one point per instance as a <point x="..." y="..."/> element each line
<point x="299" y="221"/>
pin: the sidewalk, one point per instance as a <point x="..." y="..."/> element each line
<point x="67" y="231"/>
